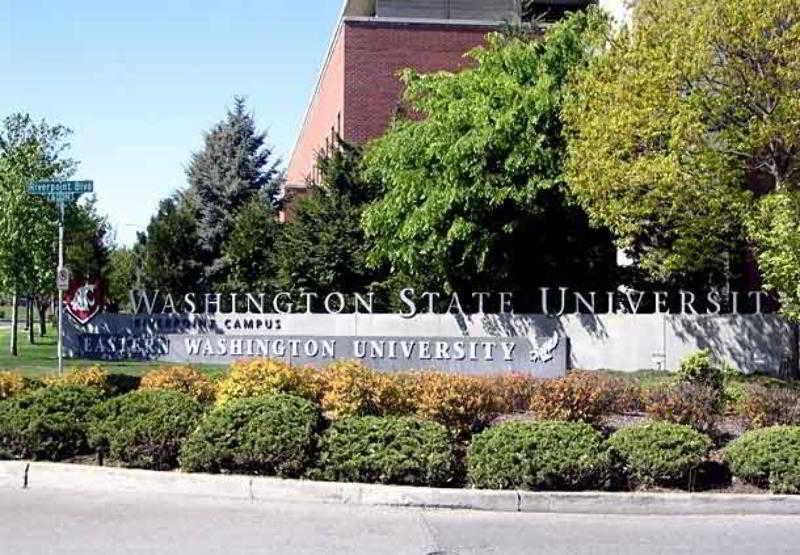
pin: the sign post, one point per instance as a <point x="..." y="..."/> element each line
<point x="61" y="192"/>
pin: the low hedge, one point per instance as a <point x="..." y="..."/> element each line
<point x="659" y="453"/>
<point x="48" y="423"/>
<point x="767" y="457"/>
<point x="251" y="378"/>
<point x="95" y="376"/>
<point x="184" y="379"/>
<point x="538" y="456"/>
<point x="267" y="435"/>
<point x="387" y="450"/>
<point x="11" y="383"/>
<point x="144" y="429"/>
<point x="578" y="396"/>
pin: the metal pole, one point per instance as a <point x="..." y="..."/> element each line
<point x="60" y="292"/>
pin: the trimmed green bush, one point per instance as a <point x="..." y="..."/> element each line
<point x="387" y="450"/>
<point x="267" y="435"/>
<point x="768" y="457"/>
<point x="538" y="455"/>
<point x="699" y="369"/>
<point x="48" y="423"/>
<point x="659" y="453"/>
<point x="144" y="429"/>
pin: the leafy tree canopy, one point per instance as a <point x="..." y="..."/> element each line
<point x="473" y="185"/>
<point x="685" y="126"/>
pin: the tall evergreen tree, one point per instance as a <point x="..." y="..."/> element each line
<point x="322" y="247"/>
<point x="234" y="166"/>
<point x="249" y="250"/>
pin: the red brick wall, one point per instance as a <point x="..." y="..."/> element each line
<point x="327" y="103"/>
<point x="360" y="80"/>
<point x="376" y="51"/>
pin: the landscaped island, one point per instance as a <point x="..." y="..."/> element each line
<point x="701" y="428"/>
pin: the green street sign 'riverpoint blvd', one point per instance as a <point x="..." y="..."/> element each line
<point x="61" y="192"/>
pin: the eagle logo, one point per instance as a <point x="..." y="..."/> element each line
<point x="83" y="300"/>
<point x="544" y="353"/>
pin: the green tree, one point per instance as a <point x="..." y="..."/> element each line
<point x="164" y="249"/>
<point x="122" y="276"/>
<point x="685" y="126"/>
<point x="234" y="166"/>
<point x="322" y="247"/>
<point x="249" y="250"/>
<point x="87" y="239"/>
<point x="29" y="151"/>
<point x="473" y="189"/>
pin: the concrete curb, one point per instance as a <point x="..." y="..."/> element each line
<point x="107" y="480"/>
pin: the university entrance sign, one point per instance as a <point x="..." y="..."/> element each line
<point x="383" y="341"/>
<point x="433" y="332"/>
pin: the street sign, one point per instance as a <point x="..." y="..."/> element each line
<point x="46" y="188"/>
<point x="61" y="192"/>
<point x="62" y="279"/>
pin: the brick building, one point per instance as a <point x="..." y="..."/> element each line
<point x="358" y="88"/>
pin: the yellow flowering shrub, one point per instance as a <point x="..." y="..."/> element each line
<point x="90" y="376"/>
<point x="250" y="378"/>
<point x="351" y="389"/>
<point x="455" y="400"/>
<point x="185" y="379"/>
<point x="11" y="383"/>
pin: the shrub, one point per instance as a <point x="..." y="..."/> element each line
<point x="352" y="389"/>
<point x="185" y="379"/>
<point x="251" y="378"/>
<point x="11" y="383"/>
<point x="767" y="406"/>
<point x="387" y="450"/>
<point x="514" y="390"/>
<point x="768" y="457"/>
<point x="269" y="435"/>
<point x="538" y="455"/>
<point x="659" y="453"/>
<point x="461" y="402"/>
<point x="699" y="369"/>
<point x="48" y="423"/>
<point x="579" y="396"/>
<point x="91" y="376"/>
<point x="144" y="429"/>
<point x="684" y="403"/>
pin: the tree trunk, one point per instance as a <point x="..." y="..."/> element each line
<point x="31" y="335"/>
<point x="27" y="316"/>
<point x="42" y="305"/>
<point x="13" y="346"/>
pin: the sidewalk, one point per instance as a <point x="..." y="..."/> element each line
<point x="253" y="489"/>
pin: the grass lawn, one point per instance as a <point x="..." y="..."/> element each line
<point x="40" y="359"/>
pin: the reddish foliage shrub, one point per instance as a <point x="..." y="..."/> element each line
<point x="514" y="390"/>
<point x="579" y="396"/>
<point x="684" y="403"/>
<point x="769" y="406"/>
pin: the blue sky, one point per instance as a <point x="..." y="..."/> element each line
<point x="139" y="82"/>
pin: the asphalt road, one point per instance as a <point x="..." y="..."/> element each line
<point x="40" y="521"/>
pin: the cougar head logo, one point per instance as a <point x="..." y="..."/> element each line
<point x="83" y="301"/>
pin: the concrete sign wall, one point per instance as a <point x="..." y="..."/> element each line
<point x="383" y="341"/>
<point x="542" y="345"/>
